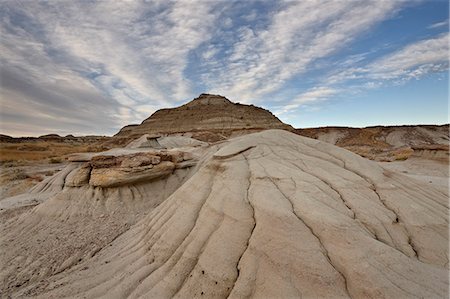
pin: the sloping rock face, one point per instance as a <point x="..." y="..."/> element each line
<point x="71" y="216"/>
<point x="207" y="113"/>
<point x="381" y="142"/>
<point x="433" y="151"/>
<point x="380" y="136"/>
<point x="265" y="215"/>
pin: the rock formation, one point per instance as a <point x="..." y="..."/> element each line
<point x="265" y="215"/>
<point x="432" y="151"/>
<point x="209" y="117"/>
<point x="383" y="142"/>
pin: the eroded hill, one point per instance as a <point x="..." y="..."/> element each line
<point x="208" y="118"/>
<point x="386" y="143"/>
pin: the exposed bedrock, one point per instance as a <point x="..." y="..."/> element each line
<point x="266" y="215"/>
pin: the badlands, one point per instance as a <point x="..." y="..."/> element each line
<point x="228" y="204"/>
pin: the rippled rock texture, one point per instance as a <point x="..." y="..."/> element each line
<point x="265" y="215"/>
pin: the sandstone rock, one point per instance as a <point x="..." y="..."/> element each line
<point x="111" y="171"/>
<point x="187" y="156"/>
<point x="155" y="159"/>
<point x="176" y="156"/>
<point x="105" y="161"/>
<point x="79" y="176"/>
<point x="140" y="160"/>
<point x="80" y="157"/>
<point x="65" y="229"/>
<point x="118" y="176"/>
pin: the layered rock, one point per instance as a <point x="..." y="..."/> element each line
<point x="79" y="177"/>
<point x="432" y="151"/>
<point x="380" y="137"/>
<point x="384" y="143"/>
<point x="126" y="168"/>
<point x="207" y="113"/>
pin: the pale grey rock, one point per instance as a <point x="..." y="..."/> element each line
<point x="266" y="215"/>
<point x="79" y="176"/>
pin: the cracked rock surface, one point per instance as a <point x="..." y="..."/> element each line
<point x="266" y="215"/>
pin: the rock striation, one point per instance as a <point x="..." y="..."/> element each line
<point x="208" y="113"/>
<point x="385" y="143"/>
<point x="380" y="136"/>
<point x="432" y="151"/>
<point x="265" y="215"/>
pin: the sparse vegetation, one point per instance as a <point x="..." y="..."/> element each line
<point x="41" y="150"/>
<point x="402" y="154"/>
<point x="21" y="161"/>
<point x="55" y="160"/>
<point x="19" y="174"/>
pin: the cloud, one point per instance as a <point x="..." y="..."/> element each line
<point x="92" y="67"/>
<point x="251" y="16"/>
<point x="210" y="52"/>
<point x="263" y="60"/>
<point x="227" y="23"/>
<point x="438" y="25"/>
<point x="72" y="106"/>
<point x="130" y="53"/>
<point x="355" y="74"/>
<point x="315" y="94"/>
<point x="413" y="61"/>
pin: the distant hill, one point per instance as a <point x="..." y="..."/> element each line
<point x="213" y="118"/>
<point x="54" y="138"/>
<point x="382" y="142"/>
<point x="208" y="117"/>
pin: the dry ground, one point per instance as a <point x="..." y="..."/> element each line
<point x="54" y="152"/>
<point x="23" y="164"/>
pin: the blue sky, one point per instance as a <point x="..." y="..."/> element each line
<point x="82" y="67"/>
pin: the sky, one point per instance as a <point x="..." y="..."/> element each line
<point x="91" y="67"/>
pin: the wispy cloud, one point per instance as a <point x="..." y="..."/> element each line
<point x="313" y="95"/>
<point x="263" y="60"/>
<point x="413" y="61"/>
<point x="410" y="62"/>
<point x="438" y="24"/>
<point x="131" y="53"/>
<point x="92" y="67"/>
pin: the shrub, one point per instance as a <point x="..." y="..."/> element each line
<point x="55" y="160"/>
<point x="403" y="154"/>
